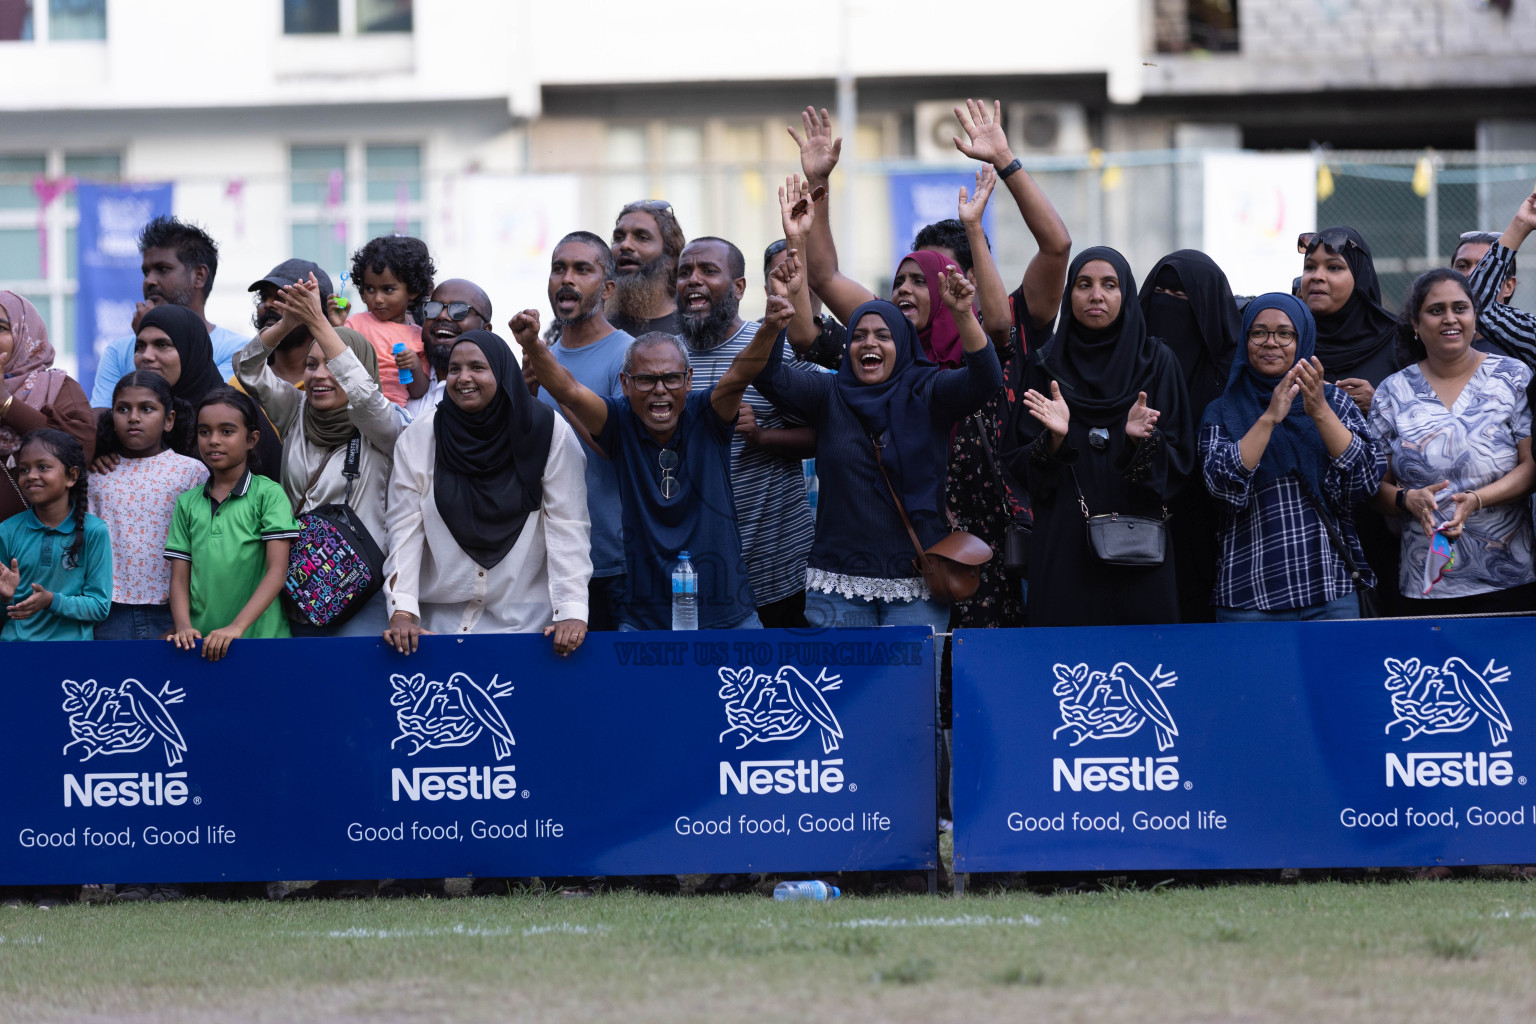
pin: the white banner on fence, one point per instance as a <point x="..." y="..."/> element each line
<point x="1255" y="206"/>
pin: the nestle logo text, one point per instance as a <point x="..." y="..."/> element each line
<point x="1454" y="768"/>
<point x="1116" y="774"/>
<point x="479" y="782"/>
<point x="126" y="789"/>
<point x="782" y="776"/>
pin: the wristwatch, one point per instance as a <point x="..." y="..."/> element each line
<point x="1402" y="498"/>
<point x="1002" y="175"/>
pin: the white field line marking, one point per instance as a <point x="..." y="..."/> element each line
<point x="961" y="921"/>
<point x="479" y="931"/>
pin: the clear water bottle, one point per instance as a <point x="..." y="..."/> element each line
<point x="818" y="891"/>
<point x="406" y="376"/>
<point x="685" y="594"/>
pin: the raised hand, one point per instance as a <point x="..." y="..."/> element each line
<point x="1281" y="398"/>
<point x="525" y="328"/>
<point x="1052" y="413"/>
<point x="819" y="151"/>
<point x="972" y="209"/>
<point x="1309" y="374"/>
<point x="797" y="210"/>
<point x="986" y="140"/>
<point x="957" y="293"/>
<point x="300" y="304"/>
<point x="784" y="282"/>
<point x="777" y="314"/>
<point x="1141" y="420"/>
<point x="1526" y="215"/>
<point x="10" y="576"/>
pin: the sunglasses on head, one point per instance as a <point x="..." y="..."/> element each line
<point x="1335" y="240"/>
<point x="651" y="204"/>
<point x="457" y="311"/>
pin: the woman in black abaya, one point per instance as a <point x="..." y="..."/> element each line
<point x="1357" y="343"/>
<point x="1189" y="307"/>
<point x="1104" y="409"/>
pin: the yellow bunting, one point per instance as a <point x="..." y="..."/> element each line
<point x="1095" y="158"/>
<point x="1112" y="178"/>
<point x="1423" y="177"/>
<point x="1324" y="182"/>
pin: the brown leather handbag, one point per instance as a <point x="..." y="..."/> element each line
<point x="952" y="567"/>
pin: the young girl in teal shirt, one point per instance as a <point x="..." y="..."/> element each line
<point x="55" y="558"/>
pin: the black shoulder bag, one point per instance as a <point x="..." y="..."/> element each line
<point x="335" y="566"/>
<point x="1016" y="532"/>
<point x="1117" y="539"/>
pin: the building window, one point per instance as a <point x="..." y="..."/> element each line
<point x="39" y="255"/>
<point x="57" y="19"/>
<point x="344" y="17"/>
<point x="1200" y="25"/>
<point x="340" y="196"/>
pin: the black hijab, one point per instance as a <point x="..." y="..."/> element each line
<point x="1359" y="338"/>
<point x="916" y="450"/>
<point x="490" y="464"/>
<point x="1203" y="332"/>
<point x="1101" y="370"/>
<point x="199" y="373"/>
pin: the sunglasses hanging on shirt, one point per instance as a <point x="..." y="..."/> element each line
<point x="668" y="460"/>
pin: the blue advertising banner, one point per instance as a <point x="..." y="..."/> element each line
<point x="921" y="198"/>
<point x="1314" y="744"/>
<point x="483" y="756"/>
<point x="111" y="284"/>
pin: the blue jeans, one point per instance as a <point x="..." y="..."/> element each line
<point x="1346" y="607"/>
<point x="135" y="622"/>
<point x="828" y="611"/>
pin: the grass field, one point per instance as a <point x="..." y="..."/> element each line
<point x="1451" y="951"/>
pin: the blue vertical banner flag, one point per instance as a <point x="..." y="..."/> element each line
<point x="111" y="284"/>
<point x="920" y="199"/>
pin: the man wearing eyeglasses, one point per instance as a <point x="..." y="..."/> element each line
<point x="1501" y="328"/>
<point x="671" y="449"/>
<point x="456" y="306"/>
<point x="592" y="351"/>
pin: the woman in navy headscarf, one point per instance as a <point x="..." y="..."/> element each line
<point x="1287" y="456"/>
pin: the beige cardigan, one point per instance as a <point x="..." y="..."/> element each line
<point x="372" y="414"/>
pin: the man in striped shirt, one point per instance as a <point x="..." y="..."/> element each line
<point x="767" y="482"/>
<point x="1501" y="327"/>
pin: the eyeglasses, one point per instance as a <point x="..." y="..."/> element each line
<point x="457" y="311"/>
<point x="1336" y="239"/>
<point x="1285" y="337"/>
<point x="648" y="381"/>
<point x="668" y="460"/>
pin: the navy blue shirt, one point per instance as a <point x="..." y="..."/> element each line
<point x="699" y="518"/>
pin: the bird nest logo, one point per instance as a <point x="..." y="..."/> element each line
<point x="433" y="715"/>
<point x="1099" y="705"/>
<point x="126" y="719"/>
<point x="1428" y="699"/>
<point x="762" y="708"/>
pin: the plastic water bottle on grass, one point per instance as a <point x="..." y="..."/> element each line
<point x="818" y="891"/>
<point x="685" y="594"/>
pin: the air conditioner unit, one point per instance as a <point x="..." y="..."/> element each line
<point x="1048" y="128"/>
<point x="934" y="129"/>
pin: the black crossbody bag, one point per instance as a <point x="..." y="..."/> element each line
<point x="1016" y="532"/>
<point x="1118" y="539"/>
